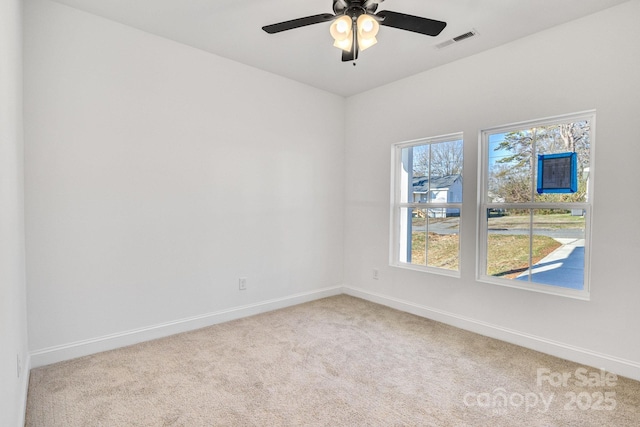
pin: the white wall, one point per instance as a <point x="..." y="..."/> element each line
<point x="13" y="317"/>
<point x="157" y="175"/>
<point x="592" y="63"/>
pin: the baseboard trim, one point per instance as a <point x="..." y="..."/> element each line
<point x="47" y="356"/>
<point x="619" y="366"/>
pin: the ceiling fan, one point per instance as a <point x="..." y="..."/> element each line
<point x="355" y="25"/>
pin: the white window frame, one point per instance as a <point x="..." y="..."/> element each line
<point x="399" y="179"/>
<point x="484" y="205"/>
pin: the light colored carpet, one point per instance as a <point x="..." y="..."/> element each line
<point x="338" y="361"/>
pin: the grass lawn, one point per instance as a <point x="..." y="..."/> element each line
<point x="443" y="250"/>
<point x="550" y="221"/>
<point x="508" y="254"/>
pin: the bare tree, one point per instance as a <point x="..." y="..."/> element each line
<point x="438" y="159"/>
<point x="446" y="158"/>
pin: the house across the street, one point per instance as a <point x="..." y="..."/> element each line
<point x="442" y="189"/>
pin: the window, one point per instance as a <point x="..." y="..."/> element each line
<point x="535" y="205"/>
<point x="426" y="203"/>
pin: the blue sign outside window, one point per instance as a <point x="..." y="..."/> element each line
<point x="557" y="173"/>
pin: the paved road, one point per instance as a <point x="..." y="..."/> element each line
<point x="566" y="233"/>
<point x="450" y="227"/>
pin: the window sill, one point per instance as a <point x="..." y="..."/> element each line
<point x="430" y="270"/>
<point x="582" y="294"/>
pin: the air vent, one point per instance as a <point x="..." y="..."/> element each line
<point x="457" y="39"/>
<point x="464" y="36"/>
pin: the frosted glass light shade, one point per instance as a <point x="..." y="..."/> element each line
<point x="367" y="31"/>
<point x="342" y="32"/>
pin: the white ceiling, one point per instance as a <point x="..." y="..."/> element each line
<point x="232" y="29"/>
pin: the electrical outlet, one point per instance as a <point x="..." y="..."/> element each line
<point x="376" y="273"/>
<point x="242" y="284"/>
<point x="18" y="365"/>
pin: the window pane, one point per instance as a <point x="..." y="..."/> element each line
<point x="510" y="167"/>
<point x="566" y="138"/>
<point x="508" y="243"/>
<point x="561" y="264"/>
<point x="419" y="238"/>
<point x="431" y="173"/>
<point x="446" y="159"/>
<point x="421" y="160"/>
<point x="413" y="236"/>
<point x="444" y="242"/>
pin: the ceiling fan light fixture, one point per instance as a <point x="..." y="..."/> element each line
<point x="341" y="31"/>
<point x="368" y="28"/>
<point x="366" y="44"/>
<point x="344" y="44"/>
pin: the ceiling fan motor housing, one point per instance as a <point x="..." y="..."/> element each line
<point x="354" y="8"/>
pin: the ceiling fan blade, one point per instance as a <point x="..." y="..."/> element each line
<point x="297" y="23"/>
<point x="416" y="24"/>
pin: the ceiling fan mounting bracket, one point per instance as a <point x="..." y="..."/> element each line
<point x="354" y="8"/>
